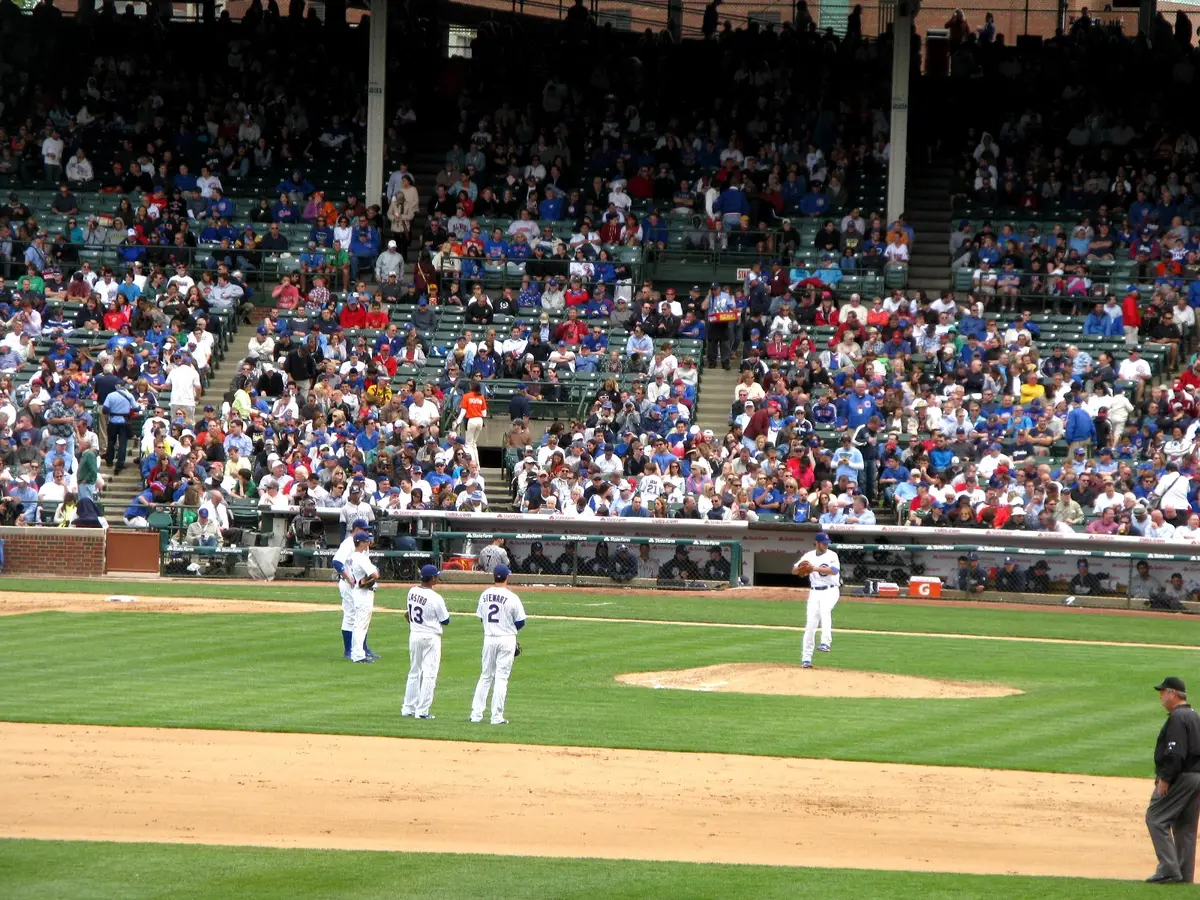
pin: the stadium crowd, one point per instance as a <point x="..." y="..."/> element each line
<point x="890" y="408"/>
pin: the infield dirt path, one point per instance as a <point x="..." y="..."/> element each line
<point x="368" y="793"/>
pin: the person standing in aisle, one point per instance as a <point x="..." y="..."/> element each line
<point x="473" y="409"/>
<point x="1174" y="809"/>
<point x="426" y="615"/>
<point x="503" y="616"/>
<point x="823" y="569"/>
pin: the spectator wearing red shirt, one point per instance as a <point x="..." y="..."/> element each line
<point x="354" y="314"/>
<point x="117" y="316"/>
<point x="877" y="315"/>
<point x="827" y="313"/>
<point x="377" y="317"/>
<point x="641" y="185"/>
<point x="573" y="330"/>
<point x="610" y="231"/>
<point x="801" y="345"/>
<point x="576" y="294"/>
<point x="778" y="348"/>
<point x="286" y="294"/>
<point x="385" y="359"/>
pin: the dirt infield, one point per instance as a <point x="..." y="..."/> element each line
<point x="793" y="681"/>
<point x="13" y="603"/>
<point x="322" y="791"/>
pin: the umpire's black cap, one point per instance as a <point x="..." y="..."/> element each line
<point x="1172" y="684"/>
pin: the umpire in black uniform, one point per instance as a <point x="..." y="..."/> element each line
<point x="1175" y="804"/>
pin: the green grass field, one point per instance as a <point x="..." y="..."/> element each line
<point x="33" y="870"/>
<point x="285" y="673"/>
<point x="1086" y="709"/>
<point x="740" y="608"/>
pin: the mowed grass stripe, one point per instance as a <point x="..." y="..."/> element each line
<point x="1087" y="709"/>
<point x="722" y="608"/>
<point x="33" y="870"/>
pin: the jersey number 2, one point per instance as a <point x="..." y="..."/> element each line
<point x="416" y="614"/>
<point x="494" y="613"/>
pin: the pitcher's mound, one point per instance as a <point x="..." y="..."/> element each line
<point x="779" y="678"/>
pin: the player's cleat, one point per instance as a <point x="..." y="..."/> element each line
<point x="426" y="716"/>
<point x="475" y="721"/>
<point x="346" y="655"/>
<point x="501" y="722"/>
<point x="365" y="659"/>
<point x="806" y="665"/>
<point x="1164" y="879"/>
<point x="824" y="648"/>
<point x="403" y="713"/>
<point x="373" y="655"/>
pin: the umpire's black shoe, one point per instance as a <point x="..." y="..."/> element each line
<point x="1164" y="879"/>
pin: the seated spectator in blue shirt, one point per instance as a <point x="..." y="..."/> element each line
<point x="121" y="339"/>
<point x="691" y="327"/>
<point x="220" y="207"/>
<point x="814" y="203"/>
<point x="635" y="509"/>
<point x="283" y="210"/>
<point x="551" y="207"/>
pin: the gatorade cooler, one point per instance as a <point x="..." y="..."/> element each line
<point x="924" y="586"/>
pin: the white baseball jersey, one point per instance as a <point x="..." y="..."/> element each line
<point x="426" y="610"/>
<point x="344" y="551"/>
<point x="825" y="558"/>
<point x="500" y="609"/>
<point x="361" y="567"/>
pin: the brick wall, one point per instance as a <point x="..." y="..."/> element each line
<point x="64" y="552"/>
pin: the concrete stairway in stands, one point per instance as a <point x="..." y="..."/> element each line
<point x="120" y="489"/>
<point x="425" y="165"/>
<point x="929" y="208"/>
<point x="715" y="399"/>
<point x="498" y="494"/>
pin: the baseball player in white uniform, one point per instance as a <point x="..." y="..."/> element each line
<point x="503" y="616"/>
<point x="364" y="576"/>
<point x="822" y="596"/>
<point x="426" y="615"/>
<point x="341" y="557"/>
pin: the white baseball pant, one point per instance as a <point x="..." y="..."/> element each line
<point x="364" y="603"/>
<point x="471" y="440"/>
<point x="498" y="654"/>
<point x="820" y="612"/>
<point x="425" y="658"/>
<point x="345" y="591"/>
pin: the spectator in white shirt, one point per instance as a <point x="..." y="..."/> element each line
<point x="1159" y="527"/>
<point x="206" y="182"/>
<point x="52" y="161"/>
<point x="79" y="169"/>
<point x="422" y="411"/>
<point x="1136" y="370"/>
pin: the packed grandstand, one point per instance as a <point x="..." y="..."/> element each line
<point x="654" y="289"/>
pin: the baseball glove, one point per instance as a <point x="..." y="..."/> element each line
<point x="805" y="568"/>
<point x="517" y="652"/>
<point x="369" y="583"/>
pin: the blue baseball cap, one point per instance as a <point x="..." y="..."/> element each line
<point x="502" y="572"/>
<point x="359" y="524"/>
<point x="821" y="538"/>
<point x="360" y="536"/>
<point x="429" y="572"/>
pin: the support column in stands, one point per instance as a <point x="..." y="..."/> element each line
<point x="1147" y="13"/>
<point x="898" y="160"/>
<point x="376" y="79"/>
<point x="675" y="20"/>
